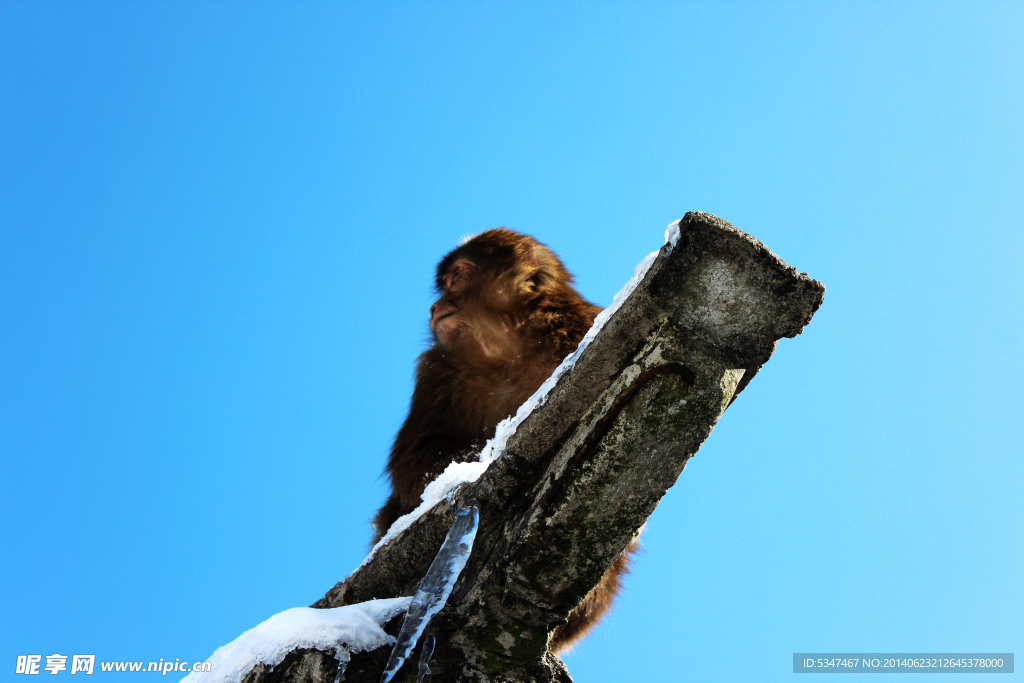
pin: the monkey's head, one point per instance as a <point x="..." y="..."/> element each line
<point x="491" y="285"/>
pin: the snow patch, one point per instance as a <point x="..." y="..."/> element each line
<point x="672" y="234"/>
<point x="340" y="631"/>
<point x="441" y="488"/>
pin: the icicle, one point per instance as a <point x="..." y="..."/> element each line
<point x="435" y="587"/>
<point x="426" y="651"/>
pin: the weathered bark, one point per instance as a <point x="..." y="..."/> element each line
<point x="585" y="470"/>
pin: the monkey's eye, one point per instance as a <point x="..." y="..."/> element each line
<point x="456" y="276"/>
<point x="453" y="277"/>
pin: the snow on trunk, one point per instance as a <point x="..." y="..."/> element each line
<point x="339" y="631"/>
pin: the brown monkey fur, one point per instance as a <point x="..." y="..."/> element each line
<point x="506" y="317"/>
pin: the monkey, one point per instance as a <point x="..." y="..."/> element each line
<point x="506" y="315"/>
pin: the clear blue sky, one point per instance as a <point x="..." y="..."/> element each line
<point x="218" y="223"/>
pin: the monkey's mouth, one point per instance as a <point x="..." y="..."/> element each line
<point x="442" y="312"/>
<point x="435" y="323"/>
<point x="442" y="317"/>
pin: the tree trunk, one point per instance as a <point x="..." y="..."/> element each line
<point x="585" y="470"/>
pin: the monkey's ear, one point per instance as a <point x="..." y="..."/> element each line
<point x="544" y="269"/>
<point x="526" y="254"/>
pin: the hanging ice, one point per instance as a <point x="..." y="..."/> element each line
<point x="435" y="587"/>
<point x="426" y="652"/>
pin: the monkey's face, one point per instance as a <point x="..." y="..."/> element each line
<point x="447" y="315"/>
<point x="475" y="315"/>
<point x="488" y="287"/>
